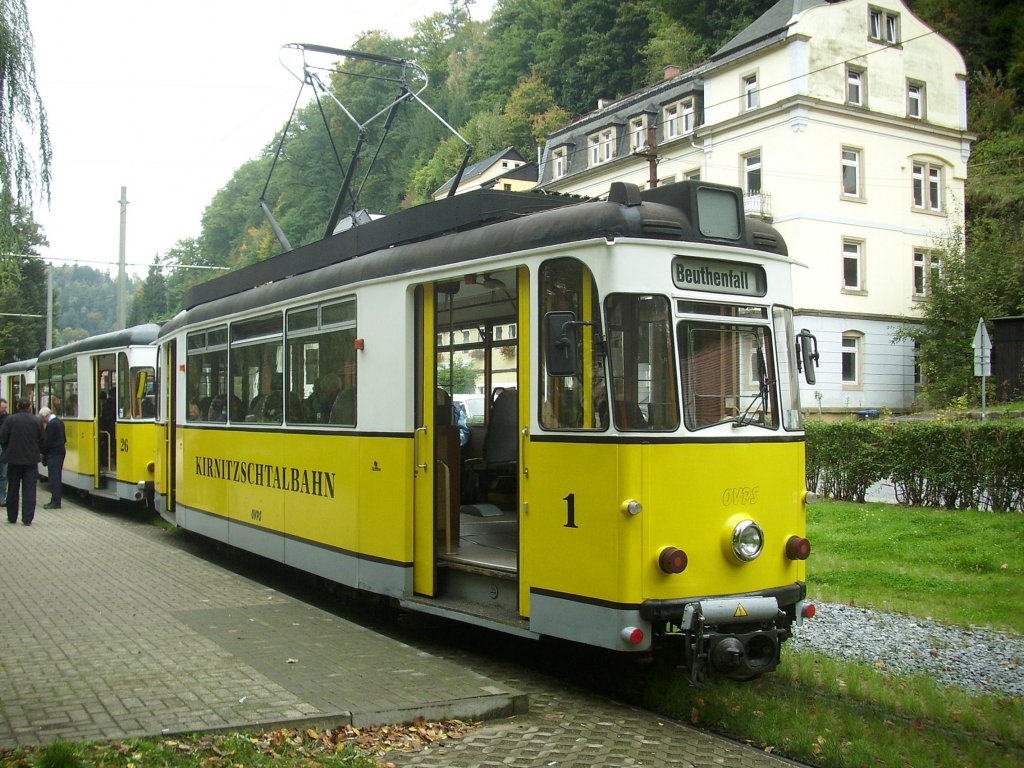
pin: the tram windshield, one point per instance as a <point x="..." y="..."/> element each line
<point x="727" y="374"/>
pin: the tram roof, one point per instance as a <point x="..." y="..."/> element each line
<point x="134" y="336"/>
<point x="18" y="366"/>
<point x="385" y="247"/>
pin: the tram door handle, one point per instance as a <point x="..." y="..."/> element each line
<point x="522" y="451"/>
<point x="416" y="448"/>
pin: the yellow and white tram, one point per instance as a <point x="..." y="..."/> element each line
<point x="637" y="479"/>
<point x="104" y="389"/>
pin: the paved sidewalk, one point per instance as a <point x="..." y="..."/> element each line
<point x="108" y="632"/>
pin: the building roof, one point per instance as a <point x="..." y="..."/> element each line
<point x="478" y="168"/>
<point x="770" y="27"/>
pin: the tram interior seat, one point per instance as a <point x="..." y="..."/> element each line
<point x="343" y="411"/>
<point x="496" y="469"/>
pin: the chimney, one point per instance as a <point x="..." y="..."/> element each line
<point x="602" y="103"/>
<point x="672" y="71"/>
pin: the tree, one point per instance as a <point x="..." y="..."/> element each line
<point x="149" y="304"/>
<point x="22" y="116"/>
<point x="21" y="109"/>
<point x="595" y="51"/>
<point x="22" y="291"/>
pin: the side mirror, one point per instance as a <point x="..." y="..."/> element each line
<point x="560" y="344"/>
<point x="807" y="355"/>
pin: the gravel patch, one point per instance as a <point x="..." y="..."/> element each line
<point x="978" y="660"/>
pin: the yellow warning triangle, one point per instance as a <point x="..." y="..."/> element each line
<point x="741" y="612"/>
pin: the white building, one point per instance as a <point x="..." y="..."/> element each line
<point x="846" y="124"/>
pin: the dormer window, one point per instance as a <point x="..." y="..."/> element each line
<point x="883" y="26"/>
<point x="679" y="118"/>
<point x="602" y="146"/>
<point x="560" y="161"/>
<point x="638" y="132"/>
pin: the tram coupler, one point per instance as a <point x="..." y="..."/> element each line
<point x="738" y="638"/>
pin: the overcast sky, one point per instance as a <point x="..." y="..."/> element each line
<point x="167" y="100"/>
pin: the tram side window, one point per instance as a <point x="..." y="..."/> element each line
<point x="46" y="383"/>
<point x="257" y="371"/>
<point x="644" y="388"/>
<point x="580" y="401"/>
<point x="70" y="388"/>
<point x="322" y="364"/>
<point x="143" y="392"/>
<point x="206" y="375"/>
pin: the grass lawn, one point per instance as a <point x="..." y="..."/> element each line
<point x="959" y="567"/>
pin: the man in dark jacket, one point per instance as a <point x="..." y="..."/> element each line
<point x="54" y="442"/>
<point x="21" y="436"/>
<point x="3" y="464"/>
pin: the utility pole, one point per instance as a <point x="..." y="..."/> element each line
<point x="650" y="151"/>
<point x="49" y="306"/>
<point x="122" y="288"/>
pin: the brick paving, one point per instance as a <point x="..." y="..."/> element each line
<point x="112" y="629"/>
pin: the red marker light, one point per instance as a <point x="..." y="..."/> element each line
<point x="632" y="635"/>
<point x="672" y="560"/>
<point x="809" y="610"/>
<point x="798" y="548"/>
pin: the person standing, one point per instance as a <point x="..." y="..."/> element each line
<point x="54" y="449"/>
<point x="21" y="436"/>
<point x="3" y="464"/>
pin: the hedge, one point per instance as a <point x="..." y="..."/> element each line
<point x="952" y="464"/>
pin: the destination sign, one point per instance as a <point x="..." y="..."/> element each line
<point x="719" y="276"/>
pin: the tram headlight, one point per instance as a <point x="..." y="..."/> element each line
<point x="747" y="540"/>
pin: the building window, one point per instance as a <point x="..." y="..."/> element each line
<point x="638" y="132"/>
<point x="679" y="118"/>
<point x="927" y="187"/>
<point x="692" y="175"/>
<point x="927" y="267"/>
<point x="752" y="173"/>
<point x="560" y="158"/>
<point x="851" y="357"/>
<point x="602" y="146"/>
<point x="852" y="266"/>
<point x="851" y="170"/>
<point x="915" y="100"/>
<point x="883" y="26"/>
<point x="856" y="83"/>
<point x="671" y="121"/>
<point x="750" y="92"/>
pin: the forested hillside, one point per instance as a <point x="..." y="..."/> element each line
<point x="532" y="68"/>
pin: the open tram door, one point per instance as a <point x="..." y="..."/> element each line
<point x="470" y="410"/>
<point x="167" y="378"/>
<point x="105" y="413"/>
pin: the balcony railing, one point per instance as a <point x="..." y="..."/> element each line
<point x="758" y="204"/>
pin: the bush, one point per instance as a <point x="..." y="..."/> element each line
<point x="954" y="464"/>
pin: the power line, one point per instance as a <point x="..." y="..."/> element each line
<point x="76" y="260"/>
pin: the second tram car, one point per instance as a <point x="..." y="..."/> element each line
<point x="638" y="478"/>
<point x="104" y="389"/>
<point x="18" y="380"/>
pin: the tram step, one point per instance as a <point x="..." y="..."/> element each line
<point x="490" y="616"/>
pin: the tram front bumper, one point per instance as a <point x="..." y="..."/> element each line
<point x="738" y="637"/>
